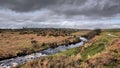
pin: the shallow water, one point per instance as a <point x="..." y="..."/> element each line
<point x="23" y="59"/>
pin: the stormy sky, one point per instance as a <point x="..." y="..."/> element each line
<point x="82" y="14"/>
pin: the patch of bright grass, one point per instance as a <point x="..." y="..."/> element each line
<point x="92" y="50"/>
<point x="68" y="52"/>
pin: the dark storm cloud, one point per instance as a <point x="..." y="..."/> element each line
<point x="60" y="13"/>
<point x="28" y="5"/>
<point x="68" y="7"/>
<point x="25" y="5"/>
<point x="92" y="8"/>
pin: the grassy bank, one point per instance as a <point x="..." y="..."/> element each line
<point x="101" y="51"/>
<point x="20" y="42"/>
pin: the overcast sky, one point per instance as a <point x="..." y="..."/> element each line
<point x="60" y="13"/>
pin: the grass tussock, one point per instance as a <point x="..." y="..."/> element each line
<point x="60" y="61"/>
<point x="110" y="58"/>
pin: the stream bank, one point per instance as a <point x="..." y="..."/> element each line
<point x="8" y="63"/>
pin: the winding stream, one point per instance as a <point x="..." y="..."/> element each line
<point x="8" y="63"/>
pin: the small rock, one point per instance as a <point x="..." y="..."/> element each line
<point x="14" y="64"/>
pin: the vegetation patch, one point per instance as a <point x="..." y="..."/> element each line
<point x="26" y="41"/>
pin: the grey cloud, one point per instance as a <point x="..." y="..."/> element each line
<point x="92" y="8"/>
<point x="25" y="5"/>
<point x="68" y="7"/>
<point x="59" y="13"/>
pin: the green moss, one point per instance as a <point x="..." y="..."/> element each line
<point x="92" y="50"/>
<point x="68" y="52"/>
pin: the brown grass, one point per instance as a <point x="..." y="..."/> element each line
<point x="13" y="44"/>
<point x="55" y="62"/>
<point x="110" y="58"/>
<point x="80" y="33"/>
